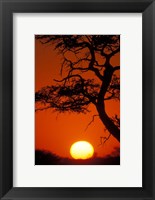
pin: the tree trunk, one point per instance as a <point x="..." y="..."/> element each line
<point x="109" y="124"/>
<point x="100" y="106"/>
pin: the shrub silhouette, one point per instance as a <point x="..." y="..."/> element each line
<point x="47" y="158"/>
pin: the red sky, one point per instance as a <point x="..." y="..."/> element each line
<point x="57" y="132"/>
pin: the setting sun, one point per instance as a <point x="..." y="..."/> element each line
<point x="81" y="150"/>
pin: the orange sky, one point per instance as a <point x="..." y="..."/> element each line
<point x="57" y="132"/>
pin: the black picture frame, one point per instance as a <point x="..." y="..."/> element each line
<point x="7" y="8"/>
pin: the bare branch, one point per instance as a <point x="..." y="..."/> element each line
<point x="69" y="77"/>
<point x="116" y="68"/>
<point x="103" y="140"/>
<point x="91" y="121"/>
<point x="114" y="52"/>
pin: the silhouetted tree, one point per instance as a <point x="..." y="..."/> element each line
<point x="82" y="56"/>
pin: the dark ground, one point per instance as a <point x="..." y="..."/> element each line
<point x="48" y="158"/>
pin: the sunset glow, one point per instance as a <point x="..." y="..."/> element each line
<point x="81" y="150"/>
<point x="71" y="81"/>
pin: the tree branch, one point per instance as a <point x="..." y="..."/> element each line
<point x="69" y="77"/>
<point x="103" y="140"/>
<point x="114" y="52"/>
<point x="116" y="68"/>
<point x="91" y="121"/>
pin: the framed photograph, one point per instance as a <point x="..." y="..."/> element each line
<point x="77" y="99"/>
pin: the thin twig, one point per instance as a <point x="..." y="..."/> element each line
<point x="91" y="121"/>
<point x="103" y="140"/>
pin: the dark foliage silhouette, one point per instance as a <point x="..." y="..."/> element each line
<point x="45" y="157"/>
<point x="48" y="158"/>
<point x="82" y="55"/>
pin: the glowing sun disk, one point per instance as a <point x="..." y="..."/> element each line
<point x="81" y="150"/>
